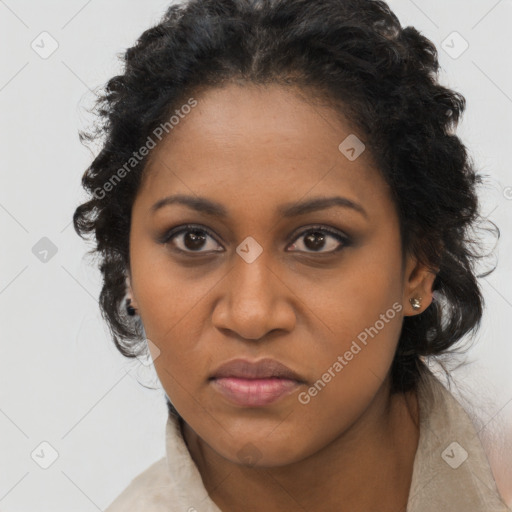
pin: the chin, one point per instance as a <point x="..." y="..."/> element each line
<point x="260" y="452"/>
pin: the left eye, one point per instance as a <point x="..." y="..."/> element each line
<point x="316" y="239"/>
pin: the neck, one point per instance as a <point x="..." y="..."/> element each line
<point x="367" y="467"/>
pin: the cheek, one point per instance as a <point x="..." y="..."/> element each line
<point x="172" y="302"/>
<point x="361" y="319"/>
<point x="346" y="375"/>
<point x="182" y="366"/>
<point x="168" y="294"/>
<point x="365" y="290"/>
<point x="360" y="311"/>
<point x="353" y="357"/>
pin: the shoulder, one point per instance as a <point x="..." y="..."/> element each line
<point x="451" y="467"/>
<point x="172" y="483"/>
<point x="148" y="491"/>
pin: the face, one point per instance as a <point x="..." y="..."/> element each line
<point x="322" y="289"/>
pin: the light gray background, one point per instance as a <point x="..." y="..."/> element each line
<point x="61" y="379"/>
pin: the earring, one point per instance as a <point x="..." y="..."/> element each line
<point x="130" y="310"/>
<point x="415" y="302"/>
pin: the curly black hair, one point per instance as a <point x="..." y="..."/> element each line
<point x="355" y="56"/>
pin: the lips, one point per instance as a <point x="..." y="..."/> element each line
<point x="263" y="369"/>
<point x="254" y="384"/>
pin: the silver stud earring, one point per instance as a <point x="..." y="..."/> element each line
<point x="415" y="302"/>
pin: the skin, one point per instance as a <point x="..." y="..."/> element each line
<point x="251" y="149"/>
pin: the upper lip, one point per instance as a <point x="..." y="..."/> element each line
<point x="264" y="368"/>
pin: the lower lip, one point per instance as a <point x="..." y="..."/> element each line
<point x="254" y="392"/>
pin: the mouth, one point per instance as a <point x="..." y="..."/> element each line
<point x="255" y="384"/>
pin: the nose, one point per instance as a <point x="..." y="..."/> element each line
<point x="255" y="301"/>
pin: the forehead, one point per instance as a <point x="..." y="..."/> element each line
<point x="265" y="143"/>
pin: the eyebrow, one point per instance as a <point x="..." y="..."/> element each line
<point x="209" y="207"/>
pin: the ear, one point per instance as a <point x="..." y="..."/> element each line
<point x="418" y="282"/>
<point x="129" y="293"/>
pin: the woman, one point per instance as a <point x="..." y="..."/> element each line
<point x="282" y="207"/>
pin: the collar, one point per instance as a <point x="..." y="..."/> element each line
<point x="188" y="491"/>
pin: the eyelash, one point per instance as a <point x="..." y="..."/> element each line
<point x="169" y="236"/>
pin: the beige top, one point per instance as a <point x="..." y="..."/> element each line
<point x="450" y="472"/>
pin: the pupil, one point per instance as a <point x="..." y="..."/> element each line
<point x="193" y="240"/>
<point x="314" y="240"/>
